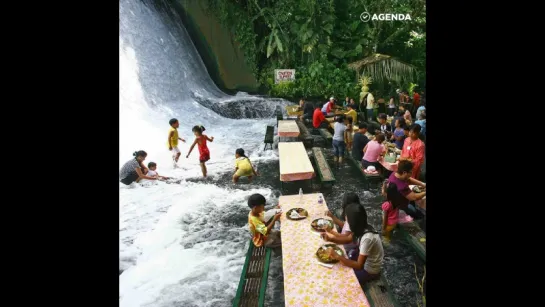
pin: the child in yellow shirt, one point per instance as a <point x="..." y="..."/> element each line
<point x="261" y="234"/>
<point x="243" y="166"/>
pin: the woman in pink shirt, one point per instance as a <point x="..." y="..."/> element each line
<point x="414" y="150"/>
<point x="372" y="151"/>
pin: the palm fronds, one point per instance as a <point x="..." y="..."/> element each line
<point x="382" y="66"/>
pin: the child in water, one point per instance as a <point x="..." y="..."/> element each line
<point x="201" y="139"/>
<point x="152" y="171"/>
<point x="348" y="132"/>
<point x="243" y="166"/>
<point x="390" y="209"/>
<point x="173" y="138"/>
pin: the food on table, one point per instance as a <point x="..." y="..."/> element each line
<point x="296" y="214"/>
<point x="321" y="224"/>
<point x="323" y="253"/>
<point x="417" y="189"/>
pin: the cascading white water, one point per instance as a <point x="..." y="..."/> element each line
<point x="180" y="244"/>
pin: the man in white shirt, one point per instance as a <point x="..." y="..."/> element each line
<point x="370" y="106"/>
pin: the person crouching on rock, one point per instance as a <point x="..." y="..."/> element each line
<point x="243" y="166"/>
<point x="134" y="169"/>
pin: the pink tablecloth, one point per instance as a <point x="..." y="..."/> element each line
<point x="295" y="177"/>
<point x="307" y="283"/>
<point x="294" y="162"/>
<point x="387" y="165"/>
<point x="288" y="128"/>
<point x="289" y="134"/>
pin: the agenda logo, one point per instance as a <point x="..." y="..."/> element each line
<point x="365" y="17"/>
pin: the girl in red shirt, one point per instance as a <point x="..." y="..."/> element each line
<point x="200" y="140"/>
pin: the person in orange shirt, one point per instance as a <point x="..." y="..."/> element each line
<point x="414" y="150"/>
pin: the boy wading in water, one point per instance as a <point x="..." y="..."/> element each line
<point x="201" y="139"/>
<point x="173" y="140"/>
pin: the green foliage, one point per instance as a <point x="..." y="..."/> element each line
<point x="319" y="38"/>
<point x="320" y="79"/>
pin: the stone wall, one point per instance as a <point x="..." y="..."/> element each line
<point x="219" y="51"/>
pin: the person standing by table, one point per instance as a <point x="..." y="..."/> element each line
<point x="422" y="123"/>
<point x="421" y="108"/>
<point x="318" y="118"/>
<point x="359" y="142"/>
<point x="339" y="146"/>
<point x="391" y="106"/>
<point x="370" y="107"/>
<point x="414" y="150"/>
<point x="352" y="113"/>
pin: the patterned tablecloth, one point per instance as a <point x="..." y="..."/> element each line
<point x="288" y="128"/>
<point x="294" y="162"/>
<point x="387" y="165"/>
<point x="306" y="283"/>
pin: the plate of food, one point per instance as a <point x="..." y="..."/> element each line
<point x="323" y="255"/>
<point x="321" y="224"/>
<point x="296" y="214"/>
<point x="418" y="189"/>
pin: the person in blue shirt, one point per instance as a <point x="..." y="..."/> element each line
<point x="420" y="109"/>
<point x="422" y="123"/>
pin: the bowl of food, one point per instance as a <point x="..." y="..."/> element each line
<point x="295" y="214"/>
<point x="321" y="224"/>
<point x="323" y="254"/>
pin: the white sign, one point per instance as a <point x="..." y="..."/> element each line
<point x="283" y="75"/>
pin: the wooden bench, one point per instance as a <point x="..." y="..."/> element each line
<point x="326" y="135"/>
<point x="378" y="293"/>
<point x="413" y="234"/>
<point x="369" y="178"/>
<point x="253" y="280"/>
<point x="305" y="135"/>
<point x="326" y="175"/>
<point x="269" y="137"/>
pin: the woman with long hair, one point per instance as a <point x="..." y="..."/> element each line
<point x="367" y="258"/>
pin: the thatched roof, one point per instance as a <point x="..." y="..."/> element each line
<point x="381" y="66"/>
